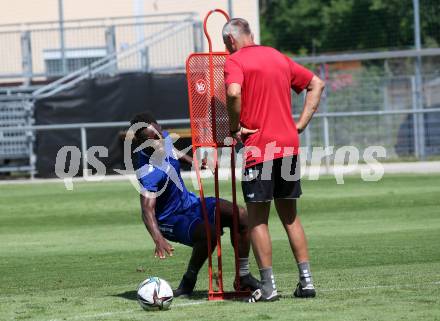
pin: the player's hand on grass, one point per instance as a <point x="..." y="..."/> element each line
<point x="163" y="248"/>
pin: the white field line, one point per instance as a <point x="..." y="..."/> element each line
<point x="372" y="287"/>
<point x="106" y="314"/>
<point x="178" y="305"/>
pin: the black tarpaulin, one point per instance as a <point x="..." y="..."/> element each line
<point x="106" y="99"/>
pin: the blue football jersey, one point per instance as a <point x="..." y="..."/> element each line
<point x="166" y="181"/>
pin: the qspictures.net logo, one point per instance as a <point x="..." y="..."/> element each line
<point x="157" y="153"/>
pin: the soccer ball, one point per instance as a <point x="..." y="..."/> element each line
<point x="154" y="294"/>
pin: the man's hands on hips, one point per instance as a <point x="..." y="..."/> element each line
<point x="243" y="131"/>
<point x="163" y="248"/>
<point x="311" y="103"/>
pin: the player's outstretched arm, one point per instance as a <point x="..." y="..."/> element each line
<point x="188" y="159"/>
<point x="148" y="205"/>
<point x="311" y="103"/>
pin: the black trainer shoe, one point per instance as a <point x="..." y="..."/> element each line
<point x="185" y="288"/>
<point x="258" y="296"/>
<point x="304" y="292"/>
<point x="248" y="282"/>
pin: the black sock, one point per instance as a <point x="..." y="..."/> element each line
<point x="243" y="266"/>
<point x="191" y="273"/>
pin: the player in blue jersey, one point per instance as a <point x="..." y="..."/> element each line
<point x="171" y="213"/>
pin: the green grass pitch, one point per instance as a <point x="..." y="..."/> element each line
<point x="79" y="255"/>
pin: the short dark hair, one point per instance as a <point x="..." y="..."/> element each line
<point x="144" y="117"/>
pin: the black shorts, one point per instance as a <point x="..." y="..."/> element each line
<point x="270" y="180"/>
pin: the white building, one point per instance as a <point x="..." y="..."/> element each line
<point x="87" y="40"/>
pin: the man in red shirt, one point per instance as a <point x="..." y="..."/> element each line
<point x="258" y="81"/>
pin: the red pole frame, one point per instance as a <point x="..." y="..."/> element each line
<point x="213" y="294"/>
<point x="220" y="294"/>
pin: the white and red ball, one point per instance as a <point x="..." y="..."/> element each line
<point x="154" y="294"/>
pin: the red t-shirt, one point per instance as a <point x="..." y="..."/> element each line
<point x="266" y="77"/>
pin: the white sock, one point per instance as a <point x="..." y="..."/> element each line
<point x="305" y="276"/>
<point x="268" y="281"/>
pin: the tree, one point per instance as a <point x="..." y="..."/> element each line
<point x="309" y="27"/>
<point x="293" y="25"/>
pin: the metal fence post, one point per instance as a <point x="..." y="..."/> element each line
<point x="145" y="59"/>
<point x="307" y="134"/>
<point x="29" y="107"/>
<point x="416" y="135"/>
<point x="419" y="118"/>
<point x="26" y="57"/>
<point x="308" y="139"/>
<point x="386" y="105"/>
<point x="62" y="38"/>
<point x="230" y="9"/>
<point x="198" y="36"/>
<point x="110" y="43"/>
<point x="418" y="104"/>
<point x="84" y="151"/>
<point x="325" y="120"/>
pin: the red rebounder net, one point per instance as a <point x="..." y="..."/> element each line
<point x="210" y="128"/>
<point x="209" y="118"/>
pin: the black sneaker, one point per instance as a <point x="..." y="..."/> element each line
<point x="248" y="282"/>
<point x="186" y="287"/>
<point x="258" y="296"/>
<point x="304" y="292"/>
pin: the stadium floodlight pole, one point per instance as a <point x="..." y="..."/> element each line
<point x="419" y="134"/>
<point x="62" y="40"/>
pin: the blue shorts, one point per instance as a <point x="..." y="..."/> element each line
<point x="179" y="227"/>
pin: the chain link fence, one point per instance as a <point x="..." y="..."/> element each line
<point x="319" y="27"/>
<point x="375" y="103"/>
<point x="44" y="50"/>
<point x="381" y="97"/>
<point x="16" y="146"/>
